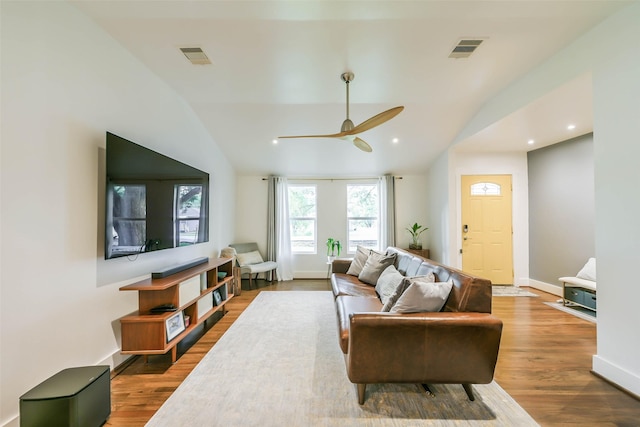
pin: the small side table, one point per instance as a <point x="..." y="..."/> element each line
<point x="424" y="253"/>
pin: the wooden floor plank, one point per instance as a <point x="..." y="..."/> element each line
<point x="544" y="364"/>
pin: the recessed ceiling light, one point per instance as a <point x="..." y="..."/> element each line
<point x="571" y="127"/>
<point x="275" y="141"/>
<point x="395" y="140"/>
<point x="530" y="142"/>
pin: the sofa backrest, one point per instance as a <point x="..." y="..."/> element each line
<point x="469" y="293"/>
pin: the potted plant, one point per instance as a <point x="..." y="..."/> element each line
<point x="333" y="248"/>
<point x="415" y="230"/>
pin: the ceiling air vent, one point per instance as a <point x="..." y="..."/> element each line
<point x="195" y="55"/>
<point x="465" y="48"/>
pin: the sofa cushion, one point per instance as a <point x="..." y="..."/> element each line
<point x="387" y="283"/>
<point x="362" y="254"/>
<point x="347" y="305"/>
<point x="406" y="282"/>
<point x="375" y="265"/>
<point x="422" y="296"/>
<point x="346" y="284"/>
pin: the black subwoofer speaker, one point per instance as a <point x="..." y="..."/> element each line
<point x="74" y="397"/>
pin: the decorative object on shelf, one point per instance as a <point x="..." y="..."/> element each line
<point x="222" y="275"/>
<point x="334" y="247"/>
<point x="163" y="308"/>
<point x="217" y="298"/>
<point x="415" y="230"/>
<point x="174" y="325"/>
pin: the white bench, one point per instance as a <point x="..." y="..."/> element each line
<point x="580" y="290"/>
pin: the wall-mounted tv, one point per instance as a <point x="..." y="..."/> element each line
<point x="153" y="202"/>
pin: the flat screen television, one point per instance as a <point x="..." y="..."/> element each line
<point x="153" y="202"/>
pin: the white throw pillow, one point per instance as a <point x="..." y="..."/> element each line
<point x="404" y="284"/>
<point x="588" y="272"/>
<point x="249" y="258"/>
<point x="362" y="254"/>
<point x="423" y="296"/>
<point x="387" y="283"/>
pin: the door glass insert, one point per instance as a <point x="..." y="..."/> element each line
<point x="486" y="189"/>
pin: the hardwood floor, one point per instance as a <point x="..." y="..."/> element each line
<point x="544" y="364"/>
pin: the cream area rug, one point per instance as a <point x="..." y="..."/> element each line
<point x="280" y="364"/>
<point x="511" y="291"/>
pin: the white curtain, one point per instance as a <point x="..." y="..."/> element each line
<point x="278" y="238"/>
<point x="386" y="185"/>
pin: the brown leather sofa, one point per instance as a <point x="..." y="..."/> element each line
<point x="458" y="345"/>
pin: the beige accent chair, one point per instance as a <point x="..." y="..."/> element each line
<point x="250" y="261"/>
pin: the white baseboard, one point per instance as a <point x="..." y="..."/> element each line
<point x="115" y="360"/>
<point x="543" y="286"/>
<point x="617" y="375"/>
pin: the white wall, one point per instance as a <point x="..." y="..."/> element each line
<point x="616" y="151"/>
<point x="615" y="64"/>
<point x="251" y="222"/>
<point x="64" y="84"/>
<point x="514" y="164"/>
<point x="440" y="189"/>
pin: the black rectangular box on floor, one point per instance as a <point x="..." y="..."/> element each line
<point x="74" y="397"/>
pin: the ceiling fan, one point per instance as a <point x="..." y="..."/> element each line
<point x="349" y="132"/>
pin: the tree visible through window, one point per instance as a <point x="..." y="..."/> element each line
<point x="129" y="218"/>
<point x="363" y="213"/>
<point x="302" y="218"/>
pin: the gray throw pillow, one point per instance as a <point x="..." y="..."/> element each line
<point x="362" y="254"/>
<point x="406" y="282"/>
<point x="375" y="265"/>
<point x="388" y="282"/>
<point x="422" y="296"/>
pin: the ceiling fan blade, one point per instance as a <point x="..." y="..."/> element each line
<point x="333" y="135"/>
<point x="376" y="120"/>
<point x="358" y="142"/>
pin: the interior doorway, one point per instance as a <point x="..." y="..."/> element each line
<point x="487" y="228"/>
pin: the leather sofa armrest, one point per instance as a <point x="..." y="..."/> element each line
<point x="340" y="265"/>
<point x="441" y="347"/>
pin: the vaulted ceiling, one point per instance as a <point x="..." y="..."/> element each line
<point x="276" y="65"/>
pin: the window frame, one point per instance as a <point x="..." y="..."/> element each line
<point x="375" y="219"/>
<point x="314" y="219"/>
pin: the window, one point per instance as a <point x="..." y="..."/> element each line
<point x="363" y="213"/>
<point x="188" y="202"/>
<point x="302" y="218"/>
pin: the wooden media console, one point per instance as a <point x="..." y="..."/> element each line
<point x="191" y="292"/>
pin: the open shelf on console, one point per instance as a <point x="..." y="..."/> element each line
<point x="191" y="292"/>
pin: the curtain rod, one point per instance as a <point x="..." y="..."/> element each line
<point x="333" y="179"/>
